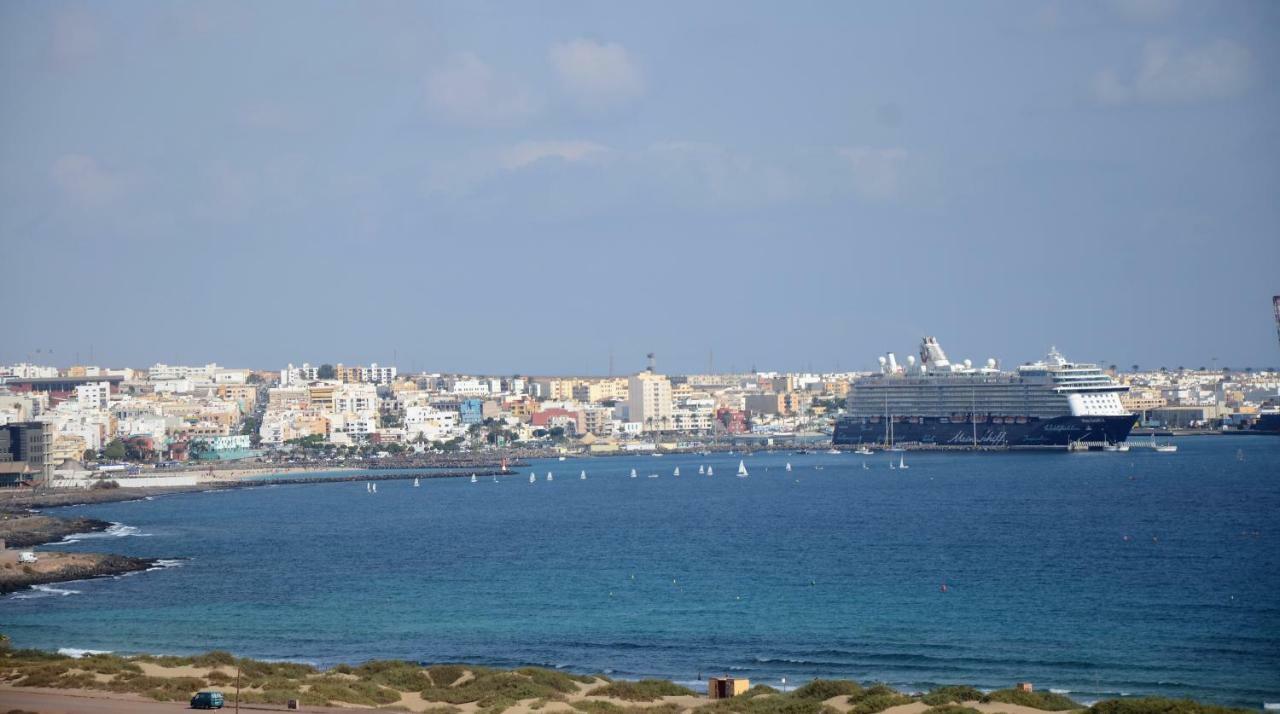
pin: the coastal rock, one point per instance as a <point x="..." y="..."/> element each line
<point x="63" y="567"/>
<point x="23" y="530"/>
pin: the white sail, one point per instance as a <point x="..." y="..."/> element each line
<point x="788" y="465"/>
<point x="549" y="477"/>
<point x="701" y="470"/>
<point x="676" y="472"/>
<point x="711" y="471"/>
<point x="633" y="473"/>
<point x="375" y="488"/>
<point x="902" y="462"/>
<point x="533" y="478"/>
<point x="582" y="476"/>
<point x="742" y="468"/>
<point x="415" y="481"/>
<point x="473" y="479"/>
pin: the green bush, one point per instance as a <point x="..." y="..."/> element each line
<point x="491" y="689"/>
<point x="333" y="689"/>
<point x="757" y="690"/>
<point x="1047" y="701"/>
<point x="878" y="702"/>
<point x="559" y="681"/>
<point x="780" y="704"/>
<point x="217" y="677"/>
<point x="397" y="674"/>
<point x="106" y="664"/>
<point x="823" y="689"/>
<point x="951" y="693"/>
<point x="951" y="709"/>
<point x="444" y="675"/>
<point x="1160" y="705"/>
<point x="645" y="690"/>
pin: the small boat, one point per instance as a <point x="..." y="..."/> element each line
<point x="865" y="467"/>
<point x="368" y="487"/>
<point x="891" y="466"/>
<point x="633" y="473"/>
<point x="375" y="487"/>
<point x="1110" y="447"/>
<point x="701" y="470"/>
<point x="742" y="469"/>
<point x="833" y="451"/>
<point x="788" y="466"/>
<point x="711" y="471"/>
<point x="653" y="475"/>
<point x="864" y="451"/>
<point x="473" y="480"/>
<point x="902" y="462"/>
<point x="582" y="476"/>
<point x="676" y="472"/>
<point x="415" y="481"/>
<point x="550" y="477"/>
<point x="1166" y="448"/>
<point x="533" y="478"/>
<point x="562" y="458"/>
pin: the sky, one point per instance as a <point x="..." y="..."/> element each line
<point x="530" y="188"/>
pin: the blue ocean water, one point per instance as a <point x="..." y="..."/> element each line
<point x="1098" y="573"/>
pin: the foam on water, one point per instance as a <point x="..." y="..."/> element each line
<point x="76" y="653"/>
<point x="42" y="591"/>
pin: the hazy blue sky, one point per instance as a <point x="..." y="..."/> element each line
<point x="520" y="187"/>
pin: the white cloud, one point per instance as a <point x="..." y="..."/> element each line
<point x="1170" y="75"/>
<point x="467" y="91"/>
<point x="1145" y="10"/>
<point x="529" y="152"/>
<point x="75" y="38"/>
<point x="877" y="172"/>
<point x="598" y="75"/>
<point x="84" y="181"/>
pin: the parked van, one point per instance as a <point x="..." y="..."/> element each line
<point x="27" y="556"/>
<point x="207" y="700"/>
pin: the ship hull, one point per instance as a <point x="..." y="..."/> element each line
<point x="1267" y="424"/>
<point x="1030" y="432"/>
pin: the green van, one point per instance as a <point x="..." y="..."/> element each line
<point x="207" y="700"/>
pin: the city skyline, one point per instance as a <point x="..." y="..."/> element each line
<point x="495" y="189"/>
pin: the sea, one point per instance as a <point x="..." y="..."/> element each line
<point x="1096" y="574"/>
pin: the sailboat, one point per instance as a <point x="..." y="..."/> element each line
<point x="582" y="476"/>
<point x="891" y="466"/>
<point x="676" y="472"/>
<point x="701" y="470"/>
<point x="633" y="473"/>
<point x="375" y="487"/>
<point x="533" y="478"/>
<point x="368" y="487"/>
<point x="788" y="466"/>
<point x="902" y="462"/>
<point x="415" y="481"/>
<point x="863" y="451"/>
<point x="742" y="469"/>
<point x="473" y="480"/>
<point x="550" y="477"/>
<point x="865" y="467"/>
<point x="711" y="471"/>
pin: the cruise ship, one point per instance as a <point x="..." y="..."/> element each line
<point x="1052" y="403"/>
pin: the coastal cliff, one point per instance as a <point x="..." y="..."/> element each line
<point x="24" y="530"/>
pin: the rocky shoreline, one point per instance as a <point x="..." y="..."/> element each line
<point x="26" y="530"/>
<point x="65" y="567"/>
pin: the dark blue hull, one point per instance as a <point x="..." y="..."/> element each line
<point x="1006" y="432"/>
<point x="1267" y="424"/>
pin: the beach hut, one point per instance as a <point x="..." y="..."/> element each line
<point x="726" y="687"/>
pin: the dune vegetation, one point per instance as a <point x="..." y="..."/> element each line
<point x="459" y="688"/>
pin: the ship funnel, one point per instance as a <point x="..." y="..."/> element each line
<point x="968" y="364"/>
<point x="991" y="363"/>
<point x="931" y="353"/>
<point x="911" y="360"/>
<point x="883" y="361"/>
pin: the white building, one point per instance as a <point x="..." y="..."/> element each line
<point x="431" y="423"/>
<point x="649" y="401"/>
<point x="94" y="395"/>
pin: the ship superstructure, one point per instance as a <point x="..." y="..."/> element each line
<point x="1050" y="403"/>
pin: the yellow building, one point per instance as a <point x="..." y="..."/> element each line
<point x="726" y="687"/>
